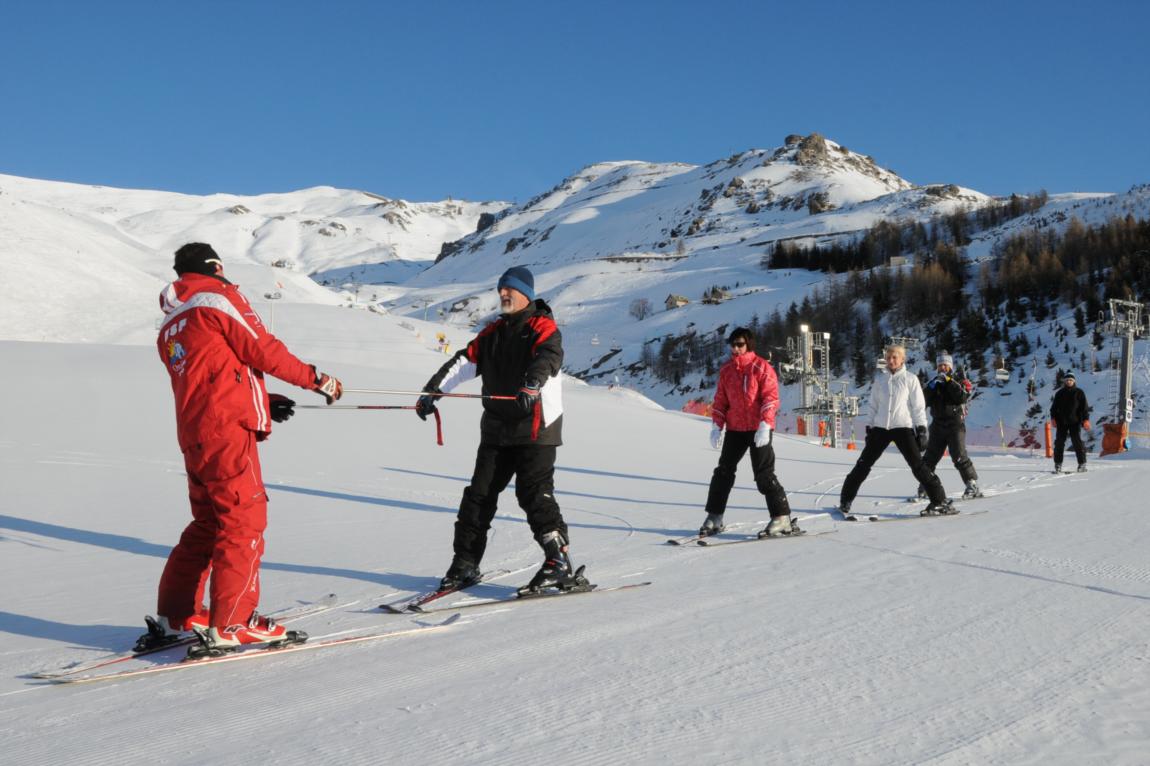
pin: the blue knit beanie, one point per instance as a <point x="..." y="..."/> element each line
<point x="518" y="278"/>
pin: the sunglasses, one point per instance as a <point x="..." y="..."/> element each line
<point x="739" y="344"/>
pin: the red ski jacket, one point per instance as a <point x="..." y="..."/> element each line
<point x="747" y="393"/>
<point x="216" y="351"/>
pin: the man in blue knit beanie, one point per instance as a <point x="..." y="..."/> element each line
<point x="518" y="356"/>
<point x="519" y="278"/>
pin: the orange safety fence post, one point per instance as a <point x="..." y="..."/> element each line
<point x="1049" y="441"/>
<point x="802" y="426"/>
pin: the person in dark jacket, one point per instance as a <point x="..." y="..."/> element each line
<point x="946" y="398"/>
<point x="1069" y="411"/>
<point x="518" y="355"/>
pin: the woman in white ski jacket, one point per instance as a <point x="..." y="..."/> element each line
<point x="897" y="414"/>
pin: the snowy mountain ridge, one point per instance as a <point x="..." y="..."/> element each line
<point x="608" y="245"/>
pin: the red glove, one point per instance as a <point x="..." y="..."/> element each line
<point x="327" y="386"/>
<point x="1086" y="424"/>
<point x="966" y="384"/>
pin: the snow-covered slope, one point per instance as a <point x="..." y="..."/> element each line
<point x="65" y="246"/>
<point x="998" y="638"/>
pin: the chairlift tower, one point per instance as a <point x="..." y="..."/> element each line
<point x="1129" y="322"/>
<point x="809" y="364"/>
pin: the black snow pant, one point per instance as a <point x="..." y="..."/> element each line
<point x="533" y="467"/>
<point x="1073" y="431"/>
<point x="950" y="437"/>
<point x="735" y="445"/>
<point x="877" y="440"/>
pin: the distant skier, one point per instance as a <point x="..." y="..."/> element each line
<point x="946" y="398"/>
<point x="746" y="401"/>
<point x="1069" y="411"/>
<point x="897" y="414"/>
<point x="519" y="354"/>
<point x="216" y="351"/>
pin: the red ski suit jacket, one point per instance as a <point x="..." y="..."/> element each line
<point x="217" y="350"/>
<point x="747" y="394"/>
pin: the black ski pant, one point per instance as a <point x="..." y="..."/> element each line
<point x="533" y="467"/>
<point x="1073" y="431"/>
<point x="735" y="445"/>
<point x="949" y="437"/>
<point x="877" y="440"/>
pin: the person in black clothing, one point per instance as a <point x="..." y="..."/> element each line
<point x="519" y="354"/>
<point x="1069" y="412"/>
<point x="946" y="398"/>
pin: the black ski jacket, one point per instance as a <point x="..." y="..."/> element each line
<point x="510" y="351"/>
<point x="946" y="399"/>
<point x="1069" y="407"/>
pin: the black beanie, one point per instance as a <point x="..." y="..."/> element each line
<point x="196" y="258"/>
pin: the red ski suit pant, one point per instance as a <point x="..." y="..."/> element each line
<point x="226" y="536"/>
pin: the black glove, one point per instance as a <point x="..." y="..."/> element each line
<point x="282" y="408"/>
<point x="920" y="432"/>
<point x="426" y="404"/>
<point x="528" y="395"/>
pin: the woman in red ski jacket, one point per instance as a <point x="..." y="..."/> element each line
<point x="746" y="400"/>
<point x="216" y="351"/>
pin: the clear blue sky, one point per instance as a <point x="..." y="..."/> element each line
<point x="502" y="100"/>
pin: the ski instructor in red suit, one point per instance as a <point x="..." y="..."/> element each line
<point x="216" y="351"/>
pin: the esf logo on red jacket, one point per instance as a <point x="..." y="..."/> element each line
<point x="176" y="354"/>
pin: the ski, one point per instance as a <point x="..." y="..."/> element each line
<point x="517" y="599"/>
<point x="416" y="603"/>
<point x="253" y="652"/>
<point x="935" y="516"/>
<point x="686" y="539"/>
<point x="708" y="543"/>
<point x="288" y="614"/>
<point x="695" y="538"/>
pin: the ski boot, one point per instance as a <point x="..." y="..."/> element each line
<point x="712" y="526"/>
<point x="461" y="574"/>
<point x="162" y="632"/>
<point x="945" y="508"/>
<point x="1058" y="467"/>
<point x="556" y="573"/>
<point x="780" y="526"/>
<point x="921" y="494"/>
<point x="845" y="510"/>
<point x="1082" y="468"/>
<point x="216" y="642"/>
<point x="972" y="491"/>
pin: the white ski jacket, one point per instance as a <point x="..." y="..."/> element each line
<point x="896" y="400"/>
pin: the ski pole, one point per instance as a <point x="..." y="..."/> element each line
<point x="438" y="419"/>
<point x="426" y="393"/>
<point x="354" y="407"/>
